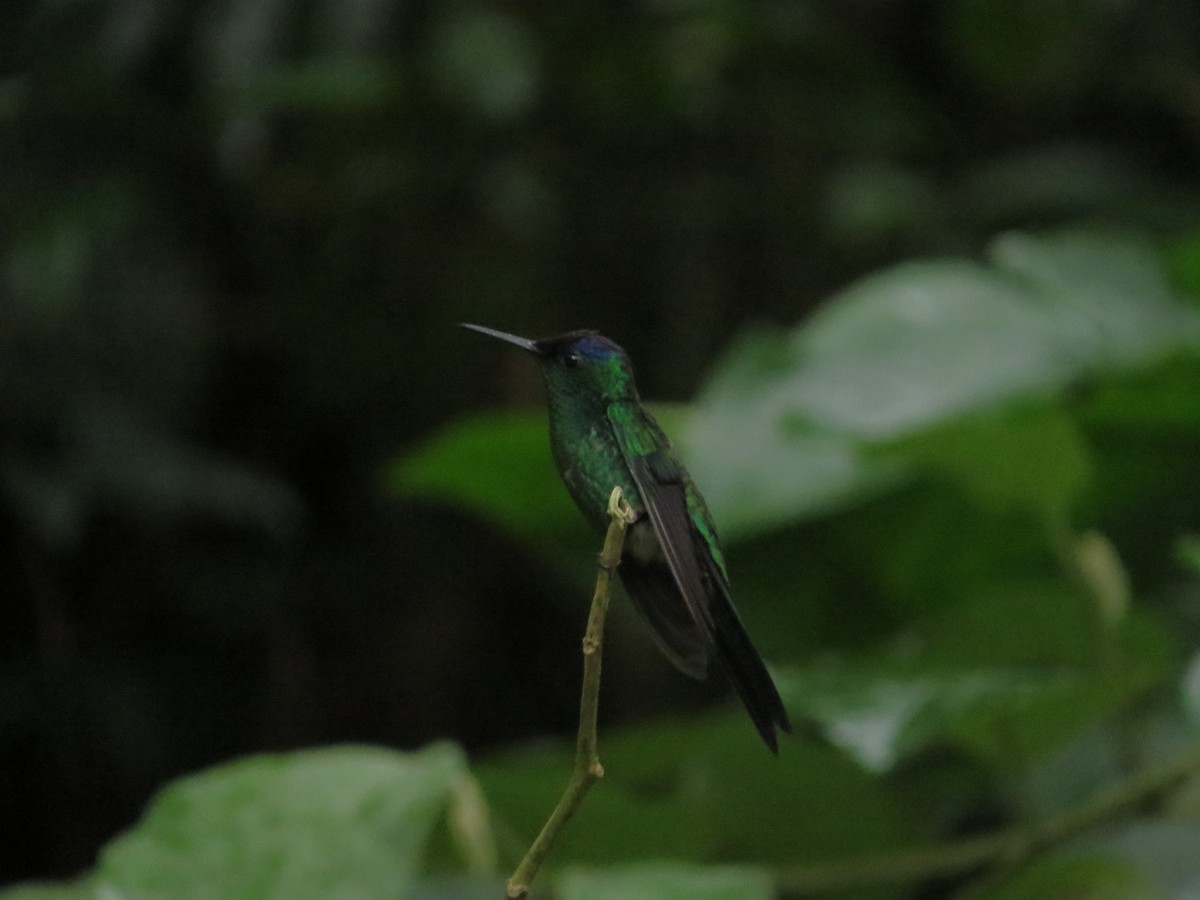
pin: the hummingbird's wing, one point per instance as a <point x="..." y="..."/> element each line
<point x="688" y="540"/>
<point x="653" y="591"/>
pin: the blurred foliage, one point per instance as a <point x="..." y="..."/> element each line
<point x="240" y="474"/>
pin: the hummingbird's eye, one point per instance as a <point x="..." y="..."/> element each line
<point x="570" y="360"/>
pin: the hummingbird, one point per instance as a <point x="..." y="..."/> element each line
<point x="672" y="565"/>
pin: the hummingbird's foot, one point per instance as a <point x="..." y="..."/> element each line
<point x="619" y="508"/>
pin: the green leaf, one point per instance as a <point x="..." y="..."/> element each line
<point x="458" y="887"/>
<point x="1164" y="849"/>
<point x="498" y="466"/>
<point x="340" y="822"/>
<point x="1043" y="622"/>
<point x="665" y="881"/>
<point x="1160" y="401"/>
<point x="1030" y="458"/>
<point x="884" y="717"/>
<point x="788" y="427"/>
<point x="919" y="343"/>
<point x="1183" y="257"/>
<point x="1090" y="877"/>
<point x="757" y="460"/>
<point x="1005" y="678"/>
<point x="926" y="341"/>
<point x="1108" y="296"/>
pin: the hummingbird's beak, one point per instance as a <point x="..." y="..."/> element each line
<point x="523" y="343"/>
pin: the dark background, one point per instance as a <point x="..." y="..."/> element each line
<point x="234" y="241"/>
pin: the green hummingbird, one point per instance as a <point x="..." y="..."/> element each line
<point x="672" y="567"/>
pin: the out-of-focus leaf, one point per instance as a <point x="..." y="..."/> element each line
<point x="1093" y="877"/>
<point x="1073" y="774"/>
<point x="1036" y="622"/>
<point x="665" y="881"/>
<point x="781" y="428"/>
<point x="752" y="487"/>
<point x="925" y="341"/>
<point x="1161" y="401"/>
<point x="883" y="717"/>
<point x="919" y="343"/>
<point x="1007" y="677"/>
<point x="755" y="458"/>
<point x="1165" y="850"/>
<point x="1109" y="302"/>
<point x="702" y="791"/>
<point x="1183" y="255"/>
<point x="498" y="466"/>
<point x="346" y="822"/>
<point x="457" y="887"/>
<point x="1029" y="458"/>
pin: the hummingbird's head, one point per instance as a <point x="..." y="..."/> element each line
<point x="577" y="361"/>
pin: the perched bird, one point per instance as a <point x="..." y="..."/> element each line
<point x="672" y="567"/>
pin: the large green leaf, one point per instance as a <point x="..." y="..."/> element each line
<point x="884" y="717"/>
<point x="1160" y="401"/>
<point x="759" y="461"/>
<point x="340" y="822"/>
<point x="1029" y="458"/>
<point x="1006" y="677"/>
<point x="499" y="466"/>
<point x="782" y="426"/>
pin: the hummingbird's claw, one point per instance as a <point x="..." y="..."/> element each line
<point x="619" y="508"/>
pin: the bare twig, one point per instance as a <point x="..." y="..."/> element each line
<point x="587" y="764"/>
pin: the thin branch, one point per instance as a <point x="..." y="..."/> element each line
<point x="1009" y="848"/>
<point x="587" y="769"/>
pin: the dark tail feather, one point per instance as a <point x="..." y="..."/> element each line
<point x="689" y="643"/>
<point x="747" y="671"/>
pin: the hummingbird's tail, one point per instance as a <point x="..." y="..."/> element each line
<point x="689" y="641"/>
<point x="747" y="670"/>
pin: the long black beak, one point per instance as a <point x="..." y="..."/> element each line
<point x="523" y="343"/>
